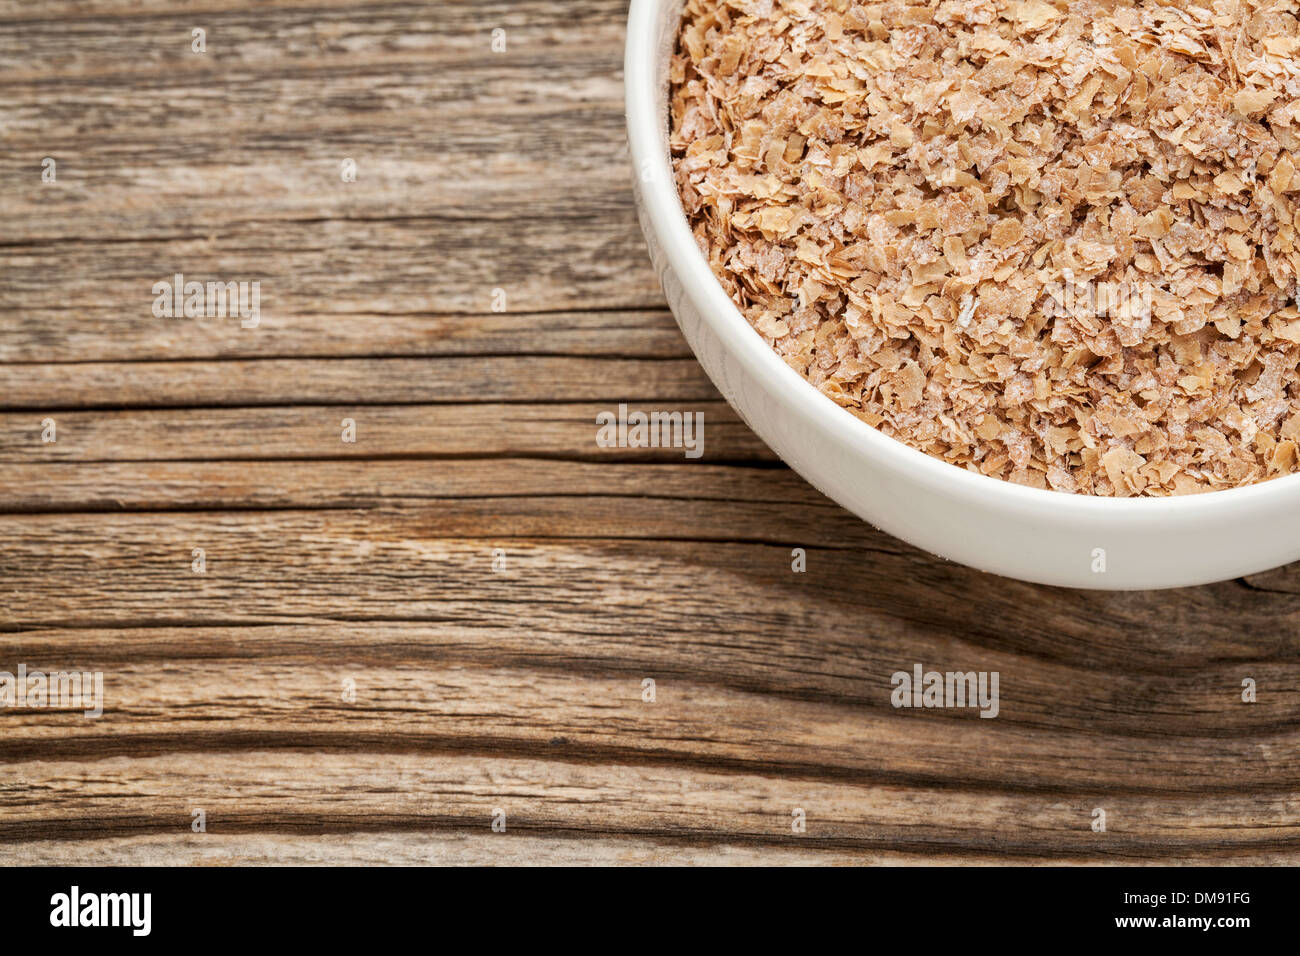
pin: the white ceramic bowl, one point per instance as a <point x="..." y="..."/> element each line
<point x="1043" y="536"/>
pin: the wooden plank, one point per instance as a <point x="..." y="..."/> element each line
<point x="58" y="335"/>
<point x="440" y="689"/>
<point x="360" y="381"/>
<point x="81" y="39"/>
<point x="1139" y="699"/>
<point x="22" y="12"/>
<point x="452" y="221"/>
<point x="561" y="430"/>
<point x="335" y="483"/>
<point x="489" y="174"/>
<point x="250" y="790"/>
<point x="572" y="848"/>
<point x="319" y="267"/>
<point x="598" y="515"/>
<point x="867" y="602"/>
<point x="429" y="848"/>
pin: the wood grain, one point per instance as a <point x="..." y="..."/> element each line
<point x="382" y="431"/>
<point x="394" y="638"/>
<point x="532" y="379"/>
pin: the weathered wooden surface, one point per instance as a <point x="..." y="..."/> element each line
<point x="515" y="688"/>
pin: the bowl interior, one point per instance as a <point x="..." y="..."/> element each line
<point x="652" y="33"/>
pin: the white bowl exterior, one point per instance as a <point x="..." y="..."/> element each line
<point x="1041" y="536"/>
